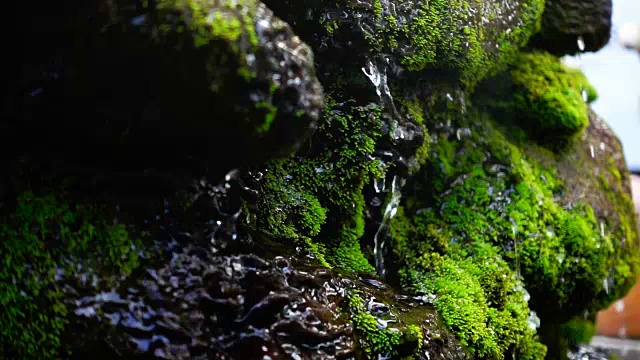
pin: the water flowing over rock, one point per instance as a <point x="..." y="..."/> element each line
<point x="312" y="179"/>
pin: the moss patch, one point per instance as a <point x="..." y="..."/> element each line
<point x="318" y="193"/>
<point x="45" y="235"/>
<point x="546" y="98"/>
<point x="465" y="38"/>
<point x="551" y="98"/>
<point x="486" y="191"/>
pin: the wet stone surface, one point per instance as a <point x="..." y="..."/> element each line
<point x="198" y="304"/>
<point x="201" y="292"/>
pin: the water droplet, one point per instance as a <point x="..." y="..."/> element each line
<point x="534" y="320"/>
<point x="463" y="132"/>
<point x="581" y="43"/>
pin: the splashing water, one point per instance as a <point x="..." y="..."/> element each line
<point x="389" y="213"/>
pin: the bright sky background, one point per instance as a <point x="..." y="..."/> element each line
<point x="615" y="73"/>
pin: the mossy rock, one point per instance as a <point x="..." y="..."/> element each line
<point x="567" y="234"/>
<point x="464" y="40"/>
<point x="322" y="186"/>
<point x="48" y="242"/>
<point x="194" y="74"/>
<point x="542" y="96"/>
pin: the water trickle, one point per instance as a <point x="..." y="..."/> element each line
<point x="514" y="230"/>
<point x="581" y="45"/>
<point x="379" y="184"/>
<point x="462" y="132"/>
<point x="389" y="213"/>
<point x="379" y="79"/>
<point x="534" y="320"/>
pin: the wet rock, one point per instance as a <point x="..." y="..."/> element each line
<point x="452" y="39"/>
<point x="168" y="82"/>
<point x="198" y="304"/>
<point x="571" y="27"/>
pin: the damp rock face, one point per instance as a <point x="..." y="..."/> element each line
<point x="460" y="39"/>
<point x="571" y="27"/>
<point x="182" y="75"/>
<point x="458" y="198"/>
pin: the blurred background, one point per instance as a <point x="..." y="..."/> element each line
<point x="615" y="73"/>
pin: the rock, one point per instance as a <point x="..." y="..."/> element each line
<point x="571" y="27"/>
<point x="436" y="212"/>
<point x="169" y="82"/>
<point x="564" y="222"/>
<point x="464" y="40"/>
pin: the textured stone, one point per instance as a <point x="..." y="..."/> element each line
<point x="573" y="26"/>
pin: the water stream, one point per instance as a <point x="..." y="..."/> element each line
<point x="390" y="210"/>
<point x="378" y="77"/>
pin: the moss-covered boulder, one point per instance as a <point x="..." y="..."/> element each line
<point x="485" y="190"/>
<point x="574" y="26"/>
<point x="189" y="75"/>
<point x="466" y="40"/>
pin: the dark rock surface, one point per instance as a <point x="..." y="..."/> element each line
<point x="570" y="27"/>
<point x="158" y="85"/>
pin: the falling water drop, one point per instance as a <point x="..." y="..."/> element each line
<point x="581" y="43"/>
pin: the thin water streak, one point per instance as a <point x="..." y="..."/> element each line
<point x="389" y="213"/>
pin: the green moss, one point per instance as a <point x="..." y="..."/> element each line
<point x="206" y="25"/>
<point x="479" y="298"/>
<point x="318" y="193"/>
<point x="45" y="234"/>
<point x="551" y="99"/>
<point x="413" y="110"/>
<point x="452" y="36"/>
<point x="578" y="331"/>
<point x="270" y="115"/>
<point x="403" y="341"/>
<point x="377" y="10"/>
<point x="483" y="190"/>
<point x="374" y="339"/>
